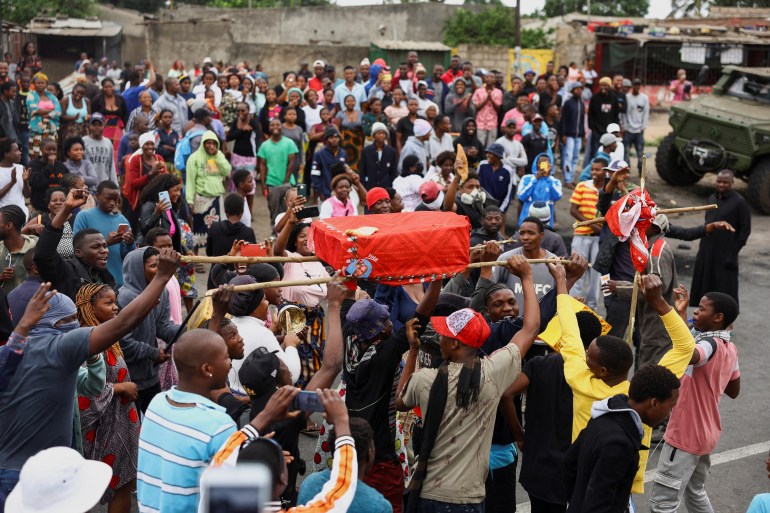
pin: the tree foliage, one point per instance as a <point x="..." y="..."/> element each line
<point x="23" y="11"/>
<point x="492" y="26"/>
<point x="636" y="8"/>
<point x="699" y="8"/>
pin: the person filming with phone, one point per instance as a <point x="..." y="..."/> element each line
<point x="107" y="220"/>
<point x="89" y="265"/>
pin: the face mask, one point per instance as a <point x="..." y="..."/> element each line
<point x="476" y="195"/>
<point x="68" y="326"/>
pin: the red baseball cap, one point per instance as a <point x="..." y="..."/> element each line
<point x="466" y="325"/>
<point x="429" y="191"/>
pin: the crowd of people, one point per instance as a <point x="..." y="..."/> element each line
<point x="447" y="390"/>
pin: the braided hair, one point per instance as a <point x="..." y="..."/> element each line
<point x="84" y="300"/>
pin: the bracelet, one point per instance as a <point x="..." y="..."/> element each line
<point x="92" y="360"/>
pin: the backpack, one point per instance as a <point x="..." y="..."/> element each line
<point x="184" y="150"/>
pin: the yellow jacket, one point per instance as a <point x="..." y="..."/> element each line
<point x="586" y="389"/>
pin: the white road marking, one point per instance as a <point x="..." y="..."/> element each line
<point x="716" y="459"/>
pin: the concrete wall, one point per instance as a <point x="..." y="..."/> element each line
<point x="574" y="43"/>
<point x="134" y="43"/>
<point x="486" y="56"/>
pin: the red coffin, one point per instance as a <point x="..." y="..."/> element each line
<point x="406" y="247"/>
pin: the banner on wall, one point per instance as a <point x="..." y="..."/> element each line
<point x="530" y="59"/>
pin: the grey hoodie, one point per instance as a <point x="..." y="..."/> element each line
<point x="140" y="347"/>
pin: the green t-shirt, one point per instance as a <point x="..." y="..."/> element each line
<point x="276" y="157"/>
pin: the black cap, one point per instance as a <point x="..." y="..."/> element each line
<point x="637" y="81"/>
<point x="258" y="372"/>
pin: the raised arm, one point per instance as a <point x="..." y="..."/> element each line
<point x="279" y="248"/>
<point x="679" y="356"/>
<point x="104" y="335"/>
<point x="526" y="335"/>
<point x="336" y="292"/>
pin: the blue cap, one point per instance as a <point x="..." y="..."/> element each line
<point x="574" y="85"/>
<point x="495" y="149"/>
<point x="367" y="318"/>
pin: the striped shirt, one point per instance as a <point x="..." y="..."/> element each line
<point x="337" y="494"/>
<point x="586" y="197"/>
<point x="175" y="447"/>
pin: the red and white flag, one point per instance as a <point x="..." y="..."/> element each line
<point x="629" y="218"/>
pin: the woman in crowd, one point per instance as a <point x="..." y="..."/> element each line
<point x="294" y="100"/>
<point x="291" y="130"/>
<point x="44" y="113"/>
<point x="143" y="165"/>
<point x="442" y="171"/>
<point x="397" y="110"/>
<point x="473" y="148"/>
<point x="311" y="109"/>
<point x="55" y="198"/>
<point x="328" y="96"/>
<point x="177" y="69"/>
<point x="293" y="241"/>
<point x="270" y="111"/>
<point x="339" y="203"/>
<point x="145" y="107"/>
<point x="113" y="108"/>
<point x="55" y="89"/>
<point x="110" y="421"/>
<point x="155" y="212"/>
<point x="207" y="169"/>
<point x="458" y="104"/>
<point x="29" y="61"/>
<point x="74" y="150"/>
<point x="231" y="97"/>
<point x="350" y="123"/>
<point x="374" y="115"/>
<point x="76" y="111"/>
<point x="167" y="139"/>
<point x="45" y="172"/>
<point x="249" y="91"/>
<point x="247" y="136"/>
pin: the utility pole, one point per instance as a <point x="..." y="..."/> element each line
<point x="517" y="48"/>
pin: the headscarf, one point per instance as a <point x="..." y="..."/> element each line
<point x="295" y="90"/>
<point x="145" y="138"/>
<point x="374" y="71"/>
<point x="59" y="307"/>
<point x="84" y="300"/>
<point x="40" y="76"/>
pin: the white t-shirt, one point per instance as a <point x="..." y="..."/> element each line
<point x="16" y="195"/>
<point x="255" y="335"/>
<point x="246" y="217"/>
<point x="312" y="116"/>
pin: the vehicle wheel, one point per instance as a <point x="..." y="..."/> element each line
<point x="671" y="165"/>
<point x="759" y="186"/>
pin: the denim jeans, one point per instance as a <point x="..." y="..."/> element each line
<point x="24" y="141"/>
<point x="569" y="163"/>
<point x="8" y="480"/>
<point x="638" y="141"/>
<point x="429" y="506"/>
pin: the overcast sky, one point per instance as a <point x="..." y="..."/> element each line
<point x="658" y="8"/>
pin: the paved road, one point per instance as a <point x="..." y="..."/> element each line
<point x="738" y="470"/>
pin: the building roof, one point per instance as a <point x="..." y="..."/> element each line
<point x="424" y="46"/>
<point x="74" y="27"/>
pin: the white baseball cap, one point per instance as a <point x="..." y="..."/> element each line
<point x="318" y="63"/>
<point x="59" y="480"/>
<point x="612" y="128"/>
<point x="207" y="60"/>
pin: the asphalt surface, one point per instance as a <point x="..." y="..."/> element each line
<point x="738" y="468"/>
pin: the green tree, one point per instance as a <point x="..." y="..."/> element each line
<point x="637" y="8"/>
<point x="495" y="25"/>
<point x="23" y="11"/>
<point x="699" y="8"/>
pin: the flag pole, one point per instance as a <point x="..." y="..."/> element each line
<point x="637" y="274"/>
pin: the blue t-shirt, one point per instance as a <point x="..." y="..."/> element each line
<point x="106" y="223"/>
<point x="760" y="504"/>
<point x="37" y="407"/>
<point x="366" y="499"/>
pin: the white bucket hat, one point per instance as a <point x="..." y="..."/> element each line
<point x="59" y="480"/>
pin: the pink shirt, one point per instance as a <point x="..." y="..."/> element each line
<point x="486" y="116"/>
<point x="695" y="423"/>
<point x="519" y="117"/>
<point x="308" y="295"/>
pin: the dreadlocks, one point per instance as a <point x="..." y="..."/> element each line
<point x="84" y="300"/>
